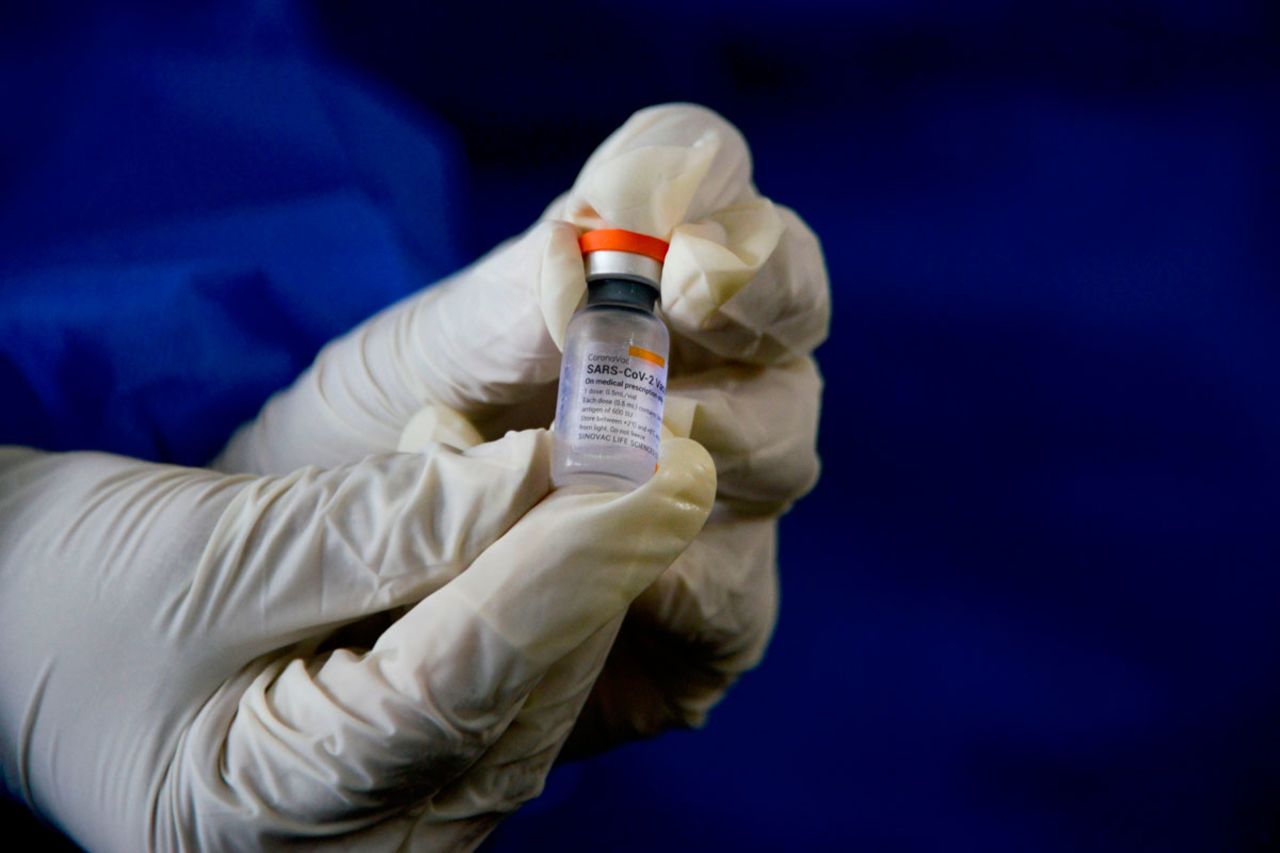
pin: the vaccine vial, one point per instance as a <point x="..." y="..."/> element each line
<point x="613" y="379"/>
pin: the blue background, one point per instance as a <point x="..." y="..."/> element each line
<point x="1032" y="605"/>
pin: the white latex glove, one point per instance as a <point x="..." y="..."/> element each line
<point x="163" y="684"/>
<point x="744" y="293"/>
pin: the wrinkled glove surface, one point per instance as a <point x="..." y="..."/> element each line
<point x="172" y="679"/>
<point x="745" y="295"/>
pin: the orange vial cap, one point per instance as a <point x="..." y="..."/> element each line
<point x="620" y="240"/>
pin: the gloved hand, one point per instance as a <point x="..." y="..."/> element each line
<point x="164" y="685"/>
<point x="744" y="293"/>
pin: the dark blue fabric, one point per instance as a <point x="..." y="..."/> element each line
<point x="186" y="221"/>
<point x="1031" y="606"/>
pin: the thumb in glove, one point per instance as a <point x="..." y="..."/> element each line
<point x="163" y="687"/>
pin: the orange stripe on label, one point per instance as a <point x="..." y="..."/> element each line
<point x="637" y="352"/>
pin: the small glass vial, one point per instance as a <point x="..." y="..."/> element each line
<point x="613" y="379"/>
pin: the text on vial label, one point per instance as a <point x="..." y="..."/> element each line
<point x="623" y="389"/>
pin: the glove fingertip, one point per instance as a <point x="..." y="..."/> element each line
<point x="562" y="280"/>
<point x="438" y="423"/>
<point x="686" y="475"/>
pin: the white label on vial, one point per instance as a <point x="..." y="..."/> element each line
<point x="621" y="394"/>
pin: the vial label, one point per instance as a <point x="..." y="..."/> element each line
<point x="620" y="395"/>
